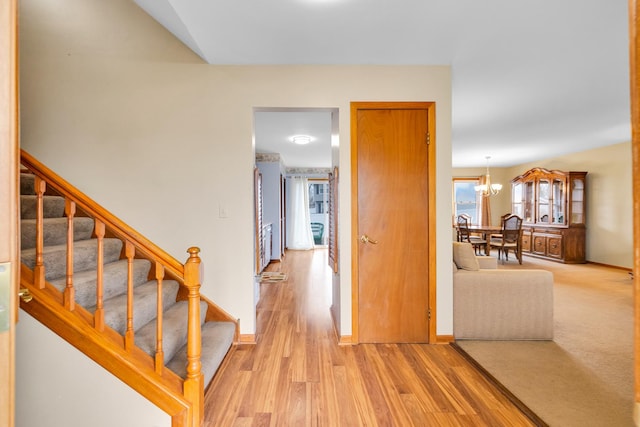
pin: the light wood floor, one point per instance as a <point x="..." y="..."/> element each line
<point x="297" y="375"/>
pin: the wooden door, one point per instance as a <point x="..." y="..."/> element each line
<point x="392" y="234"/>
<point x="8" y="206"/>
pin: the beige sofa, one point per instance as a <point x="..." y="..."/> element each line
<point x="492" y="304"/>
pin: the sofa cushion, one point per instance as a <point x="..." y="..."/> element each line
<point x="487" y="262"/>
<point x="503" y="305"/>
<point x="464" y="256"/>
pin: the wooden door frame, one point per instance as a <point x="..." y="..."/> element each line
<point x="9" y="226"/>
<point x="431" y="211"/>
<point x="634" y="74"/>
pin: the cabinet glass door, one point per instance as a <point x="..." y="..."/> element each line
<point x="516" y="196"/>
<point x="543" y="201"/>
<point x="529" y="202"/>
<point x="577" y="201"/>
<point x="557" y="206"/>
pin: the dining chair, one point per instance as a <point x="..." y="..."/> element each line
<point x="464" y="235"/>
<point x="459" y="219"/>
<point x="317" y="228"/>
<point x="502" y="218"/>
<point x="510" y="238"/>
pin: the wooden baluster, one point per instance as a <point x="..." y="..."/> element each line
<point x="194" y="383"/>
<point x="69" y="293"/>
<point x="38" y="269"/>
<point x="129" y="335"/>
<point x="98" y="316"/>
<point x="159" y="349"/>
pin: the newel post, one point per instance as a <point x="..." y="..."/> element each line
<point x="194" y="383"/>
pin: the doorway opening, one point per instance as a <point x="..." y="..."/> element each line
<point x="280" y="162"/>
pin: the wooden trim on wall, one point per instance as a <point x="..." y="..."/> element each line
<point x="9" y="225"/>
<point x="345" y="340"/>
<point x="617" y="267"/>
<point x="247" y="339"/>
<point x="355" y="295"/>
<point x="433" y="309"/>
<point x="634" y="55"/>
<point x="444" y="339"/>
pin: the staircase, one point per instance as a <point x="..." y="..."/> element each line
<point x="117" y="297"/>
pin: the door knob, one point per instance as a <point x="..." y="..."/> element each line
<point x="365" y="239"/>
<point x="25" y="295"/>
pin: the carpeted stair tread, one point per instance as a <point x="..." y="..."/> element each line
<point x="53" y="206"/>
<point x="114" y="281"/>
<point x="217" y="338"/>
<point x="84" y="256"/>
<point x="174" y="330"/>
<point x="144" y="305"/>
<point x="27" y="183"/>
<point x="55" y="231"/>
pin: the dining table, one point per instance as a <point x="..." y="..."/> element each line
<point x="486" y="231"/>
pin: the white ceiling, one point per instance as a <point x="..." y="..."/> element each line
<point x="274" y="131"/>
<point x="531" y="79"/>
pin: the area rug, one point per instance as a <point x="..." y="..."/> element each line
<point x="584" y="377"/>
<point x="273" y="276"/>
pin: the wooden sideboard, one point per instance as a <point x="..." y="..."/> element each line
<point x="552" y="206"/>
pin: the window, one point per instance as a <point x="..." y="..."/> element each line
<point x="318" y="197"/>
<point x="319" y="209"/>
<point x="466" y="200"/>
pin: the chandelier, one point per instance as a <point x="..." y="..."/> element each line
<point x="488" y="189"/>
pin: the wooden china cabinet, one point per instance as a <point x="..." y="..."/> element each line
<point x="552" y="207"/>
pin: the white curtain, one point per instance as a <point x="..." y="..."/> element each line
<point x="299" y="231"/>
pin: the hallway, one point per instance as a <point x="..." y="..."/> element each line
<point x="297" y="375"/>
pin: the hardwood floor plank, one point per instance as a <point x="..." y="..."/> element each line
<point x="297" y="375"/>
<point x="228" y="410"/>
<point x="385" y="379"/>
<point x="295" y="405"/>
<point x="356" y="387"/>
<point x="328" y="405"/>
<point x="372" y="386"/>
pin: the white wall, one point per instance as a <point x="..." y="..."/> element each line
<point x="68" y="389"/>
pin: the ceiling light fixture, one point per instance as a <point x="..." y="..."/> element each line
<point x="488" y="189"/>
<point x="301" y="139"/>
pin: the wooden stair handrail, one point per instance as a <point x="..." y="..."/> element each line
<point x="124" y="231"/>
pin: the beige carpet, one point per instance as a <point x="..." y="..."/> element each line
<point x="584" y="377"/>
